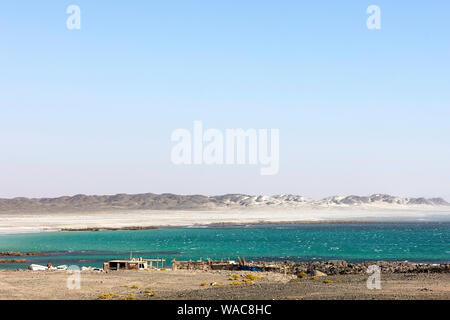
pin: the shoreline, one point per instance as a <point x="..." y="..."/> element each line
<point x="292" y="266"/>
<point x="12" y="256"/>
<point x="141" y="220"/>
<point x="425" y="264"/>
<point x="222" y="225"/>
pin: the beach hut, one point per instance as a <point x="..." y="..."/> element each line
<point x="133" y="264"/>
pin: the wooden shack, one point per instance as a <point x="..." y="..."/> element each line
<point x="133" y="264"/>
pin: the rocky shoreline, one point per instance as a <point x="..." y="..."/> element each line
<point x="13" y="261"/>
<point x="314" y="268"/>
<point x="336" y="267"/>
<point x="21" y="254"/>
<point x="344" y="267"/>
<point x="132" y="228"/>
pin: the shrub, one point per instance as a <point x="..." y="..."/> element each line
<point x="301" y="275"/>
<point x="252" y="276"/>
<point x="314" y="277"/>
<point x="233" y="277"/>
<point x="327" y="281"/>
<point x="236" y="283"/>
<point x="134" y="287"/>
<point x="107" y="296"/>
<point x="204" y="284"/>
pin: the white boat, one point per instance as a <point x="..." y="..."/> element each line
<point x="37" y="267"/>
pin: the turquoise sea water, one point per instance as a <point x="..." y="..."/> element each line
<point x="415" y="242"/>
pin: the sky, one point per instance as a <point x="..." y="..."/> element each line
<point x="91" y="111"/>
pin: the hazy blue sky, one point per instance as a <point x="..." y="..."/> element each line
<point x="92" y="111"/>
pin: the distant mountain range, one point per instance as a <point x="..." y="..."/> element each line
<point x="150" y="201"/>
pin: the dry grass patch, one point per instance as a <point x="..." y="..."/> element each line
<point x="108" y="296"/>
<point x="251" y="277"/>
<point x="233" y="277"/>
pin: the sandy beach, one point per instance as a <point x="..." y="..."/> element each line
<point x="37" y="222"/>
<point x="198" y="285"/>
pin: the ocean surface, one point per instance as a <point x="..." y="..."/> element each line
<point x="427" y="242"/>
